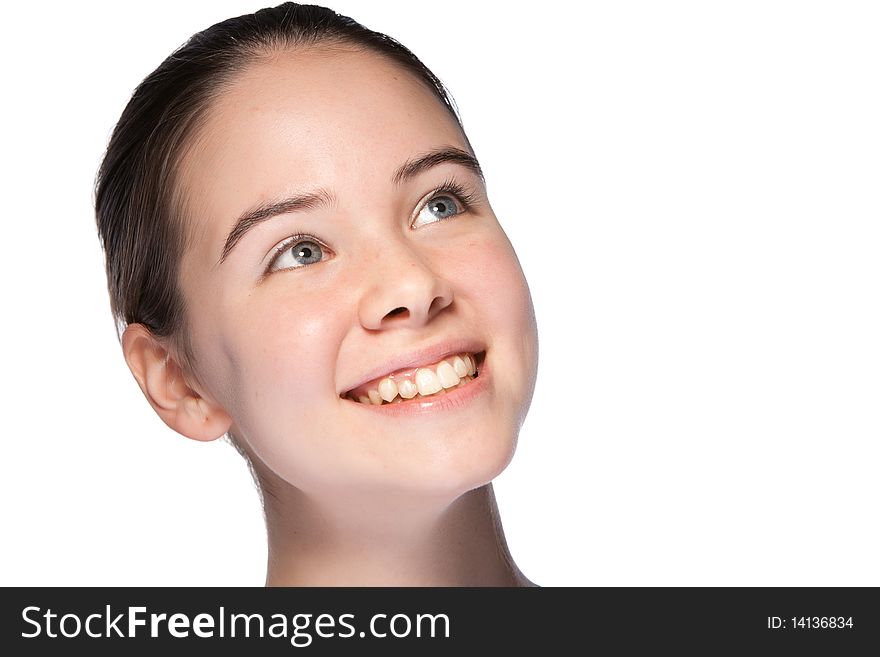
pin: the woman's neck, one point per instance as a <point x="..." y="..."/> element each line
<point x="369" y="543"/>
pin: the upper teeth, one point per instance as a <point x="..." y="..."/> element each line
<point x="426" y="381"/>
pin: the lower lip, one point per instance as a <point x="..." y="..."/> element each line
<point x="452" y="400"/>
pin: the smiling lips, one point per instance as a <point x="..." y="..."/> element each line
<point x="451" y="372"/>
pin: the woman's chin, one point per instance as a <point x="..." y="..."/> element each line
<point x="459" y="472"/>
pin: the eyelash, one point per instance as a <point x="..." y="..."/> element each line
<point x="450" y="186"/>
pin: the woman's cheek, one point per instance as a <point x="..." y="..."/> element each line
<point x="503" y="298"/>
<point x="493" y="273"/>
<point x="285" y="346"/>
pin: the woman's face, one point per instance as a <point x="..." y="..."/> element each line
<point x="389" y="275"/>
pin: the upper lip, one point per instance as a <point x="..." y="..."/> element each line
<point x="418" y="357"/>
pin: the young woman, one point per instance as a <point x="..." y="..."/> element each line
<point x="302" y="257"/>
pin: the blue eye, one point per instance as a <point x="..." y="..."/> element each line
<point x="297" y="253"/>
<point x="439" y="207"/>
<point x="443" y="206"/>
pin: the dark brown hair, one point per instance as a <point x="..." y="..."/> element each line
<point x="139" y="211"/>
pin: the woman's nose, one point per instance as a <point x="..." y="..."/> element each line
<point x="403" y="290"/>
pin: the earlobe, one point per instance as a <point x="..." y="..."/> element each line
<point x="163" y="383"/>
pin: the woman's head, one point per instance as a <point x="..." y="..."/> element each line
<point x="291" y="211"/>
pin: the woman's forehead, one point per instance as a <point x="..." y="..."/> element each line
<point x="315" y="100"/>
<point x="313" y="118"/>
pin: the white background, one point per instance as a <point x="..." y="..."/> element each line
<point x="692" y="188"/>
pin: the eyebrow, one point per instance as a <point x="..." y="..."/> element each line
<point x="322" y="197"/>
<point x="411" y="168"/>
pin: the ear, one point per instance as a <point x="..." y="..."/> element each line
<point x="162" y="381"/>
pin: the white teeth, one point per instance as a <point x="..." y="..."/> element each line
<point x="407" y="389"/>
<point x="459" y="366"/>
<point x="447" y="375"/>
<point x="427" y="382"/>
<point x="387" y="389"/>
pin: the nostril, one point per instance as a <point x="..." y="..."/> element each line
<point x="396" y="311"/>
